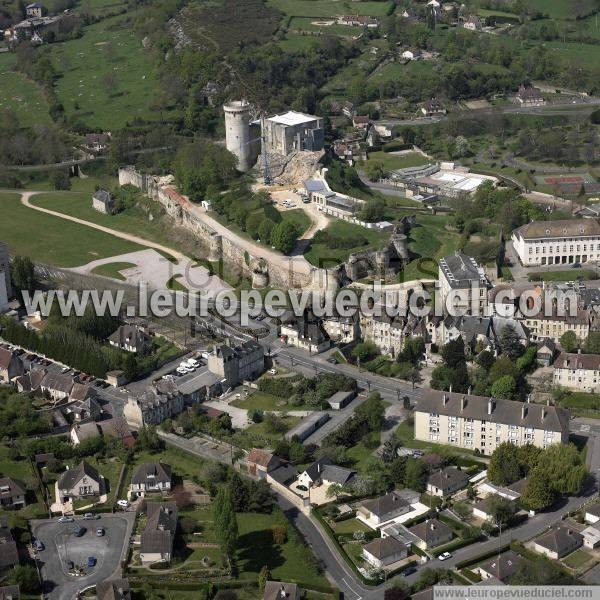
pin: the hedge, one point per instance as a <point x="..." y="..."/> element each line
<point x="461" y="564"/>
<point x="455" y="545"/>
<point x="461" y="579"/>
<point x="396" y="145"/>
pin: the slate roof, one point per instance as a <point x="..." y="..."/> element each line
<point x="280" y="590"/>
<point x="461" y="270"/>
<point x="284" y="473"/>
<point x="558" y="229"/>
<point x="116" y="589"/>
<point x="9" y="554"/>
<point x="314" y="185"/>
<point x="384" y="505"/>
<point x="105" y="197"/>
<point x="81" y="391"/>
<point x="448" y="477"/>
<point x="550" y="418"/>
<point x="5" y="358"/>
<point x="70" y="477"/>
<point x="381" y="548"/>
<point x="59" y="382"/>
<point x="9" y="488"/>
<point x="323" y="468"/>
<point x="573" y="360"/>
<point x="558" y="539"/>
<point x="151" y="472"/>
<point x="594" y="509"/>
<point x="128" y="335"/>
<point x="430" y="531"/>
<point x="262" y="458"/>
<point x="160" y="529"/>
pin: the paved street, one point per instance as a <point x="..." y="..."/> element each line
<point x="61" y="546"/>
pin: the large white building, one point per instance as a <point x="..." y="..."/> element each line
<point x="557" y="242"/>
<point x="578" y="372"/>
<point x="478" y="422"/>
<point x="463" y="284"/>
<point x="292" y="132"/>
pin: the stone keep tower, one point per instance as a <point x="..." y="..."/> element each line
<point x="238" y="133"/>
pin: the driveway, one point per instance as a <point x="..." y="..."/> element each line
<point x="61" y="545"/>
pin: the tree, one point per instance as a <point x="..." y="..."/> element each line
<point x="509" y="342"/>
<point x="389" y="451"/>
<point x="22" y="272"/>
<point x="225" y="522"/>
<point x="505" y="387"/>
<point x="335" y="490"/>
<point x="373" y="210"/>
<point x="26" y="577"/>
<point x="453" y="353"/>
<point x="375" y="170"/>
<point x="263" y="577"/>
<point x="130" y="366"/>
<point x="538" y="494"/>
<point x="414" y="477"/>
<point x="568" y="341"/>
<point x="505" y="465"/>
<point x="500" y="509"/>
<point x="265" y="230"/>
<point x="364" y="351"/>
<point x="283" y="237"/>
<point x="239" y="493"/>
<point x="60" y="180"/>
<point x="395" y="593"/>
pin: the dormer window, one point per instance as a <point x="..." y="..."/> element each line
<point x="547" y="232"/>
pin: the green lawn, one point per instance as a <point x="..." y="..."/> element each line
<point x="53" y="240"/>
<point x="360" y="454"/>
<point x="582" y="404"/>
<point x="555" y="9"/>
<point x="394" y="71"/>
<point x="311" y="24"/>
<point x="567" y="275"/>
<point x="299" y="218"/>
<point x="286" y="562"/>
<point x="106" y="78"/>
<point x="294" y="42"/>
<point x="577" y="559"/>
<point x="484" y="12"/>
<point x="394" y="161"/>
<point x="575" y="54"/>
<point x="257" y="434"/>
<point x="184" y="464"/>
<point x="112" y="270"/>
<point x="321" y="255"/>
<point x="329" y="8"/>
<point x="19" y="94"/>
<point x="349" y="526"/>
<point x="264" y="402"/>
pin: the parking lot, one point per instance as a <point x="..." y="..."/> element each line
<point x="63" y="547"/>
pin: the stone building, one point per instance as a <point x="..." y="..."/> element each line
<point x="292" y="132"/>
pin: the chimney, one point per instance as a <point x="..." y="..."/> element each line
<point x="463" y="403"/>
<point x="490" y="406"/>
<point x="523" y="411"/>
<point x="450" y="388"/>
<point x="445" y="399"/>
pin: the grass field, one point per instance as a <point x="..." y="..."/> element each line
<point x="312" y="24"/>
<point x="577" y="559"/>
<point x="294" y="42"/>
<point x="20" y="95"/>
<point x="575" y="55"/>
<point x="112" y="270"/>
<point x="567" y="275"/>
<point x="393" y="71"/>
<point x="397" y="161"/>
<point x="484" y="12"/>
<point x="263" y="401"/>
<point x="106" y="78"/>
<point x="349" y="526"/>
<point x="53" y="240"/>
<point x="286" y="562"/>
<point x="329" y="8"/>
<point x="582" y="404"/>
<point x="555" y="9"/>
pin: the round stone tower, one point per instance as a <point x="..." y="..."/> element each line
<point x="400" y="243"/>
<point x="237" y="132"/>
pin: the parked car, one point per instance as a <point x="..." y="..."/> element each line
<point x="78" y="531"/>
<point x="91" y="561"/>
<point x="409" y="571"/>
<point x="70" y="565"/>
<point x="445" y="556"/>
<point x="65" y="519"/>
<point x="90" y="516"/>
<point x="39" y="546"/>
<point x="332" y="360"/>
<point x="302" y="488"/>
<point x="122" y="503"/>
<point x="100" y="531"/>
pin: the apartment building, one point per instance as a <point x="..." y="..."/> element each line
<point x="557" y="242"/>
<point x="482" y="423"/>
<point x="579" y="372"/>
<point x="154" y="406"/>
<point x="463" y="284"/>
<point x="552" y="325"/>
<point x="238" y="363"/>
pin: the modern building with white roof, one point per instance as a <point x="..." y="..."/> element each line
<point x="292" y="132"/>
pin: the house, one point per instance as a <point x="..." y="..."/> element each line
<point x="357" y="21"/>
<point x="592" y="513"/>
<point x="591" y="537"/>
<point x="9" y="554"/>
<point x="501" y="567"/>
<point x="411" y="54"/>
<point x="446" y="482"/>
<point x="577" y="371"/>
<point x="131" y="339"/>
<point x="96" y="142"/>
<point x="431" y="533"/>
<point x="11" y="366"/>
<point x="348" y="109"/>
<point x="12" y="493"/>
<point x="473" y="23"/>
<point x="561" y="242"/>
<point x="306" y="332"/>
<point x="34" y="10"/>
<point x="9" y="592"/>
<point x="31" y="381"/>
<point x="57" y="385"/>
<point x="382" y="552"/>
<point x="85" y="406"/>
<point x="380" y="510"/>
<point x="546" y="353"/>
<point x="79" y="482"/>
<point x="482" y="509"/>
<point x="260" y="462"/>
<point x="236" y="364"/>
<point x="150" y="477"/>
<point x="114" y="427"/>
<point x="154" y="406"/>
<point x="553" y="324"/>
<point x="103" y="201"/>
<point x="322" y="471"/>
<point x="433" y="108"/>
<point x="530" y="96"/>
<point x="114" y="589"/>
<point x="279" y="590"/>
<point x="158" y="535"/>
<point x="558" y="542"/>
<point x="307" y="426"/>
<point x="360" y="121"/>
<point x="511" y="491"/>
<point x="469" y="421"/>
<point x="341" y="399"/>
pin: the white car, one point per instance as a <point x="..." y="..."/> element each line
<point x="182" y="371"/>
<point x="272" y="371"/>
<point x="193" y="363"/>
<point x="445" y="556"/>
<point x="123" y="503"/>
